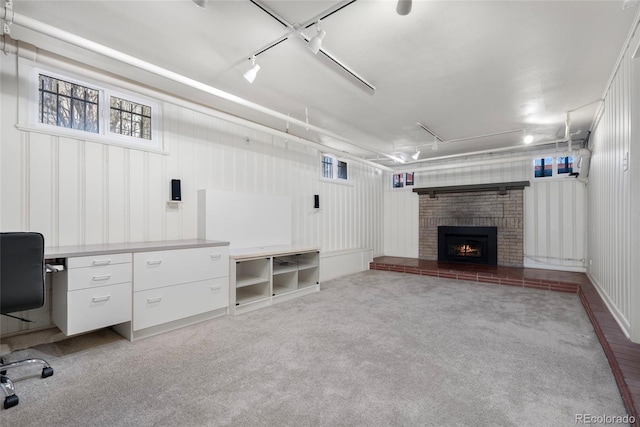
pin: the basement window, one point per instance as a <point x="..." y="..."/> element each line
<point x="548" y="167"/>
<point x="401" y="180"/>
<point x="543" y="167"/>
<point x="565" y="165"/>
<point x="90" y="111"/>
<point x="333" y="168"/>
<point x="69" y="105"/>
<point x="130" y="118"/>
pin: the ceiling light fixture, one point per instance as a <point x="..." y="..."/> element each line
<point x="528" y="139"/>
<point x="316" y="42"/>
<point x="416" y="155"/>
<point x="252" y="72"/>
<point x="403" y="7"/>
<point x="434" y="146"/>
<point x="200" y="3"/>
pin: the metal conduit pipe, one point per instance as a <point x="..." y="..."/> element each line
<point x="48" y="30"/>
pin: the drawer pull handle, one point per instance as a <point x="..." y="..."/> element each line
<point x="154" y="300"/>
<point x="101" y="278"/>
<point x="101" y="299"/>
<point x="154" y="262"/>
<point x="216" y="256"/>
<point x="216" y="288"/>
<point x="101" y="262"/>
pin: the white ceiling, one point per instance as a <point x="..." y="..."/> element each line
<point x="462" y="68"/>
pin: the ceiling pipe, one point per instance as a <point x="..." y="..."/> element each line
<point x="484" y="162"/>
<point x="8" y="45"/>
<point x="48" y="30"/>
<point x="489" y="151"/>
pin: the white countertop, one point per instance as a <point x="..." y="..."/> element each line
<point x="111" y="248"/>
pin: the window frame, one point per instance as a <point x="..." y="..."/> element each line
<point x="335" y="169"/>
<point x="554" y="167"/>
<point x="105" y="91"/>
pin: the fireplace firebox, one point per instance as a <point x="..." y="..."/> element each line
<point x="478" y="245"/>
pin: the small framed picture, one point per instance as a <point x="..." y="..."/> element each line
<point x="398" y="180"/>
<point x="408" y="179"/>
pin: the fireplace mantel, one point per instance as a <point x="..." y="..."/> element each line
<point x="501" y="188"/>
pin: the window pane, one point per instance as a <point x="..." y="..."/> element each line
<point x="398" y="180"/>
<point x="327" y="167"/>
<point x="64" y="112"/>
<point x="130" y="118"/>
<point x="342" y="170"/>
<point x="146" y="128"/>
<point x="92" y="96"/>
<point x="67" y="104"/>
<point x="543" y="167"/>
<point x="92" y="118"/>
<point x="48" y="111"/>
<point x="77" y="114"/>
<point x="64" y="88"/>
<point x="565" y="164"/>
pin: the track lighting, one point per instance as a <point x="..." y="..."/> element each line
<point x="434" y="146"/>
<point x="403" y="7"/>
<point x="416" y="154"/>
<point x="200" y="3"/>
<point x="528" y="139"/>
<point x="252" y="72"/>
<point x="316" y="42"/>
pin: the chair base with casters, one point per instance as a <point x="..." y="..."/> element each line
<point x="10" y="397"/>
<point x="22" y="287"/>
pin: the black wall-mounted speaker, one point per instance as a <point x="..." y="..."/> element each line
<point x="316" y="201"/>
<point x="176" y="193"/>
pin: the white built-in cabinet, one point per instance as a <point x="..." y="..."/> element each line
<point x="259" y="277"/>
<point x="176" y="284"/>
<point x="92" y="292"/>
<point x="145" y="289"/>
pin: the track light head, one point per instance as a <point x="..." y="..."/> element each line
<point x="200" y="3"/>
<point x="416" y="154"/>
<point x="434" y="146"/>
<point x="316" y="42"/>
<point x="528" y="139"/>
<point x="252" y="72"/>
<point x="403" y="7"/>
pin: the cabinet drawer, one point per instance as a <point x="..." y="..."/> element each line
<point x="89" y="309"/>
<point x="98" y="260"/>
<point x="157" y="306"/>
<point x="91" y="277"/>
<point x="164" y="268"/>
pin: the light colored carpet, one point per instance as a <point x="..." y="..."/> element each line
<point x="371" y="349"/>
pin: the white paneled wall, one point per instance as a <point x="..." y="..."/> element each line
<point x="554" y="224"/>
<point x="401" y="222"/>
<point x="611" y="243"/>
<point x="82" y="192"/>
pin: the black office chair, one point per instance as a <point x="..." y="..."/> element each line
<point x="22" y="287"/>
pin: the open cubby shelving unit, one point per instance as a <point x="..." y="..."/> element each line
<point x="263" y="276"/>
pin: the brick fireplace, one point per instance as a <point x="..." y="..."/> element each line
<point x="484" y="205"/>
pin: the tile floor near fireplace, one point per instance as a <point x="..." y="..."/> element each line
<point x="622" y="354"/>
